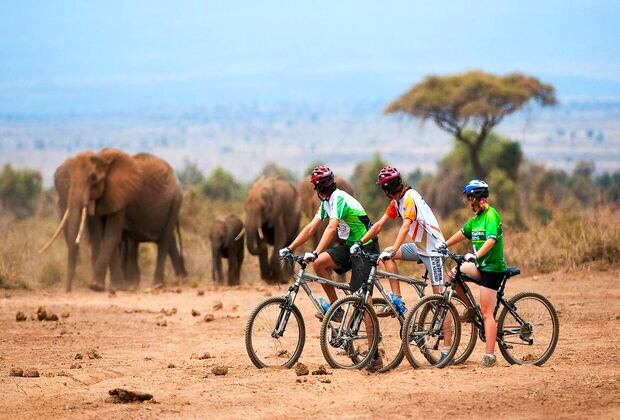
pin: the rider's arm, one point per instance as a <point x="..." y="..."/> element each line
<point x="306" y="233"/>
<point x="455" y="239"/>
<point x="328" y="236"/>
<point x="486" y="247"/>
<point x="374" y="229"/>
<point x="402" y="234"/>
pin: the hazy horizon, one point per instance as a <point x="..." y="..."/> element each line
<point x="114" y="56"/>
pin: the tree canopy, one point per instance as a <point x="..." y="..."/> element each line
<point x="471" y="104"/>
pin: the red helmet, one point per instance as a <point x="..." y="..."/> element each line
<point x="389" y="180"/>
<point x="386" y="175"/>
<point x="322" y="175"/>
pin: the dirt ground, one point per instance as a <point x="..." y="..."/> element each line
<point x="582" y="379"/>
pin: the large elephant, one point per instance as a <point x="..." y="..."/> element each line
<point x="117" y="195"/>
<point x="310" y="202"/>
<point x="227" y="242"/>
<point x="272" y="212"/>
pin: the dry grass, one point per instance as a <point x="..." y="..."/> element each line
<point x="570" y="241"/>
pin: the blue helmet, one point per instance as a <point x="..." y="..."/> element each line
<point x="476" y="188"/>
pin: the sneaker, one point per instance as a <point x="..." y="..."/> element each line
<point x="469" y="315"/>
<point x="488" y="360"/>
<point x="336" y="318"/>
<point x="376" y="364"/>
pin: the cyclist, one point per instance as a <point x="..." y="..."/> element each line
<point x="419" y="222"/>
<point x="347" y="219"/>
<point x="486" y="265"/>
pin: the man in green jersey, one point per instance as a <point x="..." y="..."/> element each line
<point x="348" y="220"/>
<point x="486" y="265"/>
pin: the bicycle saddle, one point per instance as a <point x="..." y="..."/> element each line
<point x="512" y="271"/>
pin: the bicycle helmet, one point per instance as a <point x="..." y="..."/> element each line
<point x="323" y="179"/>
<point x="476" y="188"/>
<point x="322" y="175"/>
<point x="389" y="180"/>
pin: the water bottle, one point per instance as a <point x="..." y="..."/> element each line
<point x="324" y="305"/>
<point x="398" y="302"/>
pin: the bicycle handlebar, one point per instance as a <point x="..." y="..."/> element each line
<point x="460" y="259"/>
<point x="369" y="256"/>
<point x="297" y="258"/>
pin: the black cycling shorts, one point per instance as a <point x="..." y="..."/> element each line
<point x="359" y="266"/>
<point x="491" y="280"/>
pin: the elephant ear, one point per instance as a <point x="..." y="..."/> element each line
<point x="122" y="182"/>
<point x="62" y="182"/>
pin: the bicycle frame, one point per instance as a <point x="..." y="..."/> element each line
<point x="459" y="279"/>
<point x="301" y="281"/>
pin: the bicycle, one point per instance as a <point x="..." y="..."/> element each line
<point x="517" y="323"/>
<point x="339" y="335"/>
<point x="265" y="339"/>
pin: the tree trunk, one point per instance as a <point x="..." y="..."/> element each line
<point x="474" y="157"/>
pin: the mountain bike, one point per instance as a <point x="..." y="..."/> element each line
<point x="272" y="336"/>
<point x="344" y="341"/>
<point x="527" y="327"/>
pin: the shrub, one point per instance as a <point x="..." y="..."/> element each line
<point x="221" y="185"/>
<point x="366" y="189"/>
<point x="19" y="190"/>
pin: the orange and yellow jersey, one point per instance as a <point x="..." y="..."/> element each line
<point x="424" y="229"/>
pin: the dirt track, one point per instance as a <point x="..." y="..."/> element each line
<point x="582" y="379"/>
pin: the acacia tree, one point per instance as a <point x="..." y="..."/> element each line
<point x="471" y="104"/>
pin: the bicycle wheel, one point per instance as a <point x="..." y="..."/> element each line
<point x="431" y="333"/>
<point x="469" y="335"/>
<point x="390" y="343"/>
<point x="529" y="329"/>
<point x="348" y="341"/>
<point x="265" y="347"/>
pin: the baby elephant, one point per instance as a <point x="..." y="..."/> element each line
<point x="227" y="242"/>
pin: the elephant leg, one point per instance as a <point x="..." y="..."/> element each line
<point x="130" y="263"/>
<point x="162" y="252"/>
<point x="218" y="275"/>
<point x="72" y="256"/>
<point x="117" y="277"/>
<point x="238" y="256"/>
<point x="265" y="272"/>
<point x="178" y="263"/>
<point x="280" y="237"/>
<point x="95" y="233"/>
<point x="109" y="245"/>
<point x="233" y="268"/>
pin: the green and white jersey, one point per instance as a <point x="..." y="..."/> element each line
<point x="353" y="222"/>
<point x="485" y="225"/>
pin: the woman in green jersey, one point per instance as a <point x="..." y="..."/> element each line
<point x="486" y="265"/>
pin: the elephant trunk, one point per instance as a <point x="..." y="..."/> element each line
<point x="254" y="239"/>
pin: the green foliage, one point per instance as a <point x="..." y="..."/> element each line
<point x="19" y="190"/>
<point x="190" y="175"/>
<point x="500" y="154"/>
<point x="221" y="185"/>
<point x="272" y="169"/>
<point x="366" y="189"/>
<point x="609" y="183"/>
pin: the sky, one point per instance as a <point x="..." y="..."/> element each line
<point x="111" y="56"/>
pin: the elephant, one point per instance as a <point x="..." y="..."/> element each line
<point x="272" y="213"/>
<point x="310" y="202"/>
<point x="226" y="235"/>
<point x="117" y="196"/>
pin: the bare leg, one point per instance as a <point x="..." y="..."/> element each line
<point x="323" y="267"/>
<point x="390" y="265"/>
<point x="488" y="299"/>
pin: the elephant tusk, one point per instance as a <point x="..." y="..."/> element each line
<point x="260" y="234"/>
<point x="240" y="235"/>
<point x="61" y="225"/>
<point x="82" y="222"/>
